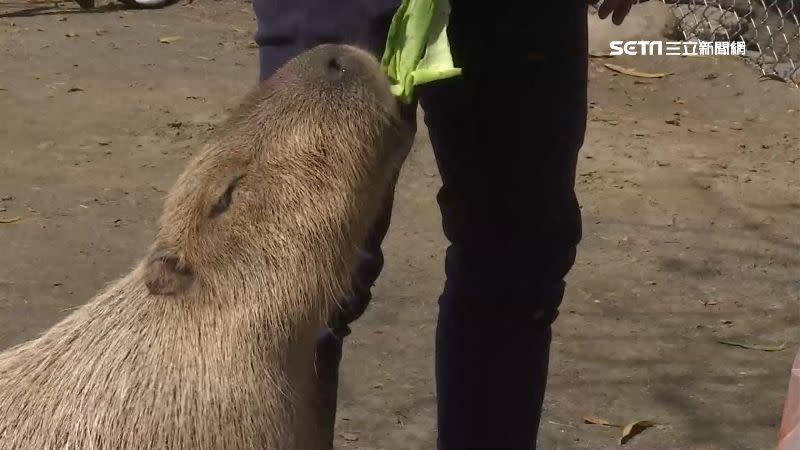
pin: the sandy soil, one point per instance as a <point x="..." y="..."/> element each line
<point x="689" y="186"/>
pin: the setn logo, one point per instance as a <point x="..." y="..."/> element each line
<point x="630" y="48"/>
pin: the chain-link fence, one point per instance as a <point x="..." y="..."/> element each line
<point x="770" y="30"/>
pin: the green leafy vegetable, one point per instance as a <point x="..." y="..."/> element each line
<point x="417" y="50"/>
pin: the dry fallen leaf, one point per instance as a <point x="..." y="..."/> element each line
<point x="763" y="348"/>
<point x="169" y="39"/>
<point x="608" y="121"/>
<point x="592" y="420"/>
<point x="772" y="76"/>
<point x="635" y="72"/>
<point x="350" y="437"/>
<point x="11" y="219"/>
<point x="634" y="428"/>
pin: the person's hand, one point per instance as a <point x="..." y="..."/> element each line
<point x="620" y="8"/>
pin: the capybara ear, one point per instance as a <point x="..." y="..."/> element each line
<point x="167" y="274"/>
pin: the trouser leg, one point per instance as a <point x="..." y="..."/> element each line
<point x="506" y="136"/>
<point x="331" y="340"/>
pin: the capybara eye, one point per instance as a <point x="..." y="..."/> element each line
<point x="224" y="201"/>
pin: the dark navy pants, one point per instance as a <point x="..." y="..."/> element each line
<point x="506" y="135"/>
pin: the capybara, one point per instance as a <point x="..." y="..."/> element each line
<point x="209" y="341"/>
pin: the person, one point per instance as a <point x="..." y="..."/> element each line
<point x="506" y="135"/>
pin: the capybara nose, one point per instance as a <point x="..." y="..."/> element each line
<point x="334" y="65"/>
<point x="340" y="60"/>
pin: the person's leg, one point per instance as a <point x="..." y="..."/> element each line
<point x="329" y="345"/>
<point x="285" y="29"/>
<point x="506" y="136"/>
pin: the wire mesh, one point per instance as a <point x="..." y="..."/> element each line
<point x="770" y="30"/>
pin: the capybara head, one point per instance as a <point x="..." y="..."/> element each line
<point x="306" y="160"/>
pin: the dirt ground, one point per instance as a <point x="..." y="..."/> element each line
<point x="689" y="185"/>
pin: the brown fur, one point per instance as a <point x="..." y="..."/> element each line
<point x="209" y="341"/>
